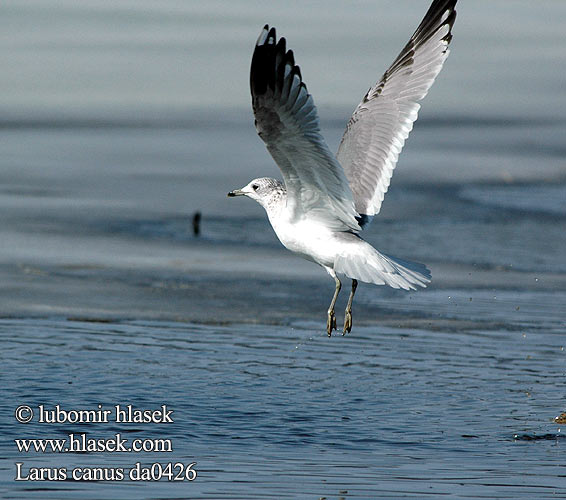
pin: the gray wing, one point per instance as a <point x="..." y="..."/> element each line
<point x="287" y="121"/>
<point x="380" y="124"/>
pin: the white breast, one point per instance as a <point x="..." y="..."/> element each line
<point x="306" y="238"/>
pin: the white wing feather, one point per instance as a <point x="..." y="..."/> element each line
<point x="287" y="121"/>
<point x="383" y="120"/>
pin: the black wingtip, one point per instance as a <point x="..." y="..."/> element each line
<point x="290" y="58"/>
<point x="281" y="45"/>
<point x="262" y="35"/>
<point x="269" y="61"/>
<point x="450" y="20"/>
<point x="433" y="21"/>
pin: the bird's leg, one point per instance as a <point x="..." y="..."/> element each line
<point x="348" y="315"/>
<point x="331" y="321"/>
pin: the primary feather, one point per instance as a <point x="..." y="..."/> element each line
<point x="287" y="121"/>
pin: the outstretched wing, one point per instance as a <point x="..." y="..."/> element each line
<point x="380" y="124"/>
<point x="287" y="121"/>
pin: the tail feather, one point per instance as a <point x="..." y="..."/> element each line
<point x="414" y="269"/>
<point x="368" y="265"/>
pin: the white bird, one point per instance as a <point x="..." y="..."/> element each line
<point x="325" y="201"/>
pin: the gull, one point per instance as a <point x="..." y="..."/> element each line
<point x="324" y="200"/>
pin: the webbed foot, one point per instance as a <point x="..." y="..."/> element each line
<point x="347" y="322"/>
<point x="331" y="322"/>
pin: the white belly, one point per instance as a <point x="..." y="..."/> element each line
<point x="310" y="240"/>
<point x="348" y="254"/>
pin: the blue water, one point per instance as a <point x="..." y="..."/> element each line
<point x="119" y="121"/>
<point x="278" y="412"/>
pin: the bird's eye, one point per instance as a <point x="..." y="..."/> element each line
<point x="255" y="187"/>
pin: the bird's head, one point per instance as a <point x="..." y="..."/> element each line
<point x="263" y="190"/>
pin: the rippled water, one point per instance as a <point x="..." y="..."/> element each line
<point x="278" y="412"/>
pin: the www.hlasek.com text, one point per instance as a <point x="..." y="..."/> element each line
<point x="80" y="443"/>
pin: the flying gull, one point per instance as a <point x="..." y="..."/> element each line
<point x="324" y="200"/>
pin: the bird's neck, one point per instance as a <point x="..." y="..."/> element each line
<point x="276" y="203"/>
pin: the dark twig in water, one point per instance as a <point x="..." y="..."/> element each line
<point x="196" y="223"/>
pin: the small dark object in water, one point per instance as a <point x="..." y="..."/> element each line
<point x="196" y="223"/>
<point x="538" y="437"/>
